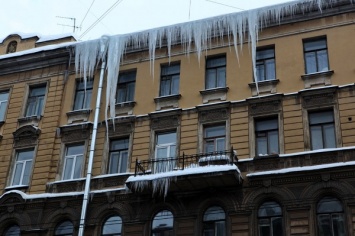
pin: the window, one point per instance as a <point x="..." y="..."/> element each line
<point x="267" y="136"/>
<point x="83" y="95"/>
<point x="13" y="230"/>
<point x="165" y="148"/>
<point x="316" y="55"/>
<point x="216" y="72"/>
<point x="322" y="130"/>
<point x="330" y="217"/>
<point x="169" y="81"/>
<point x="163" y="224"/>
<point x="35" y="101"/>
<point x="11" y="47"/>
<point x="65" y="228"/>
<point x="112" y="226"/>
<point x="125" y="88"/>
<point x="73" y="161"/>
<point x="270" y="219"/>
<point x="118" y="156"/>
<point x="214" y="222"/>
<point x="214" y="138"/>
<point x="4" y="96"/>
<point x="265" y="64"/>
<point x="23" y="167"/>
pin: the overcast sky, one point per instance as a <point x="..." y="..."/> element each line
<point x="117" y="16"/>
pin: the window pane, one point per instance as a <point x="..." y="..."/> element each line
<point x="214" y="213"/>
<point x="215" y="131"/>
<point x="321" y="117"/>
<point x="79" y="99"/>
<point x="311" y="64"/>
<point x="264" y="230"/>
<point x="75" y="150"/>
<point x="123" y="162"/>
<point x="315" y="45"/>
<point x="329" y="205"/>
<point x="220" y="144"/>
<point x="121" y="95"/>
<point x="221" y="77"/>
<point x="27" y="172"/>
<point x="324" y="225"/>
<point x="17" y="173"/>
<point x="37" y="91"/>
<point x="261" y="146"/>
<point x="25" y="155"/>
<point x="162" y="152"/>
<point x="3" y="106"/>
<point x="130" y="92"/>
<point x="260" y="72"/>
<point x="166" y="138"/>
<point x="113" y="225"/>
<point x="4" y="96"/>
<point x="114" y="160"/>
<point x="316" y="137"/>
<point x="209" y="146"/>
<point x="273" y="142"/>
<point x="64" y="228"/>
<point x="13" y="231"/>
<point x="163" y="223"/>
<point x="87" y="99"/>
<point x="322" y="57"/>
<point x="68" y="168"/>
<point x="211" y="79"/>
<point x="267" y="124"/>
<point x="175" y="84"/>
<point x="329" y="136"/>
<point x="277" y="226"/>
<point x="119" y="144"/>
<point x="78" y="166"/>
<point x="269" y="209"/>
<point x="220" y="228"/>
<point x="270" y="69"/>
<point x="338" y="224"/>
<point x="265" y="54"/>
<point x="165" y="87"/>
<point x="216" y="62"/>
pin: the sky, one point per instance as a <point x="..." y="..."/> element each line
<point x="95" y="18"/>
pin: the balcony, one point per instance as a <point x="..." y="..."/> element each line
<point x="185" y="173"/>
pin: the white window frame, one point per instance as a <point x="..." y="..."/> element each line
<point x="72" y="172"/>
<point x="169" y="165"/>
<point x="214" y="138"/>
<point x="39" y="102"/>
<point x="25" y="164"/>
<point x="4" y="103"/>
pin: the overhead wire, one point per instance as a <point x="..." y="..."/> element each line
<point x="100" y="18"/>
<point x="87" y="12"/>
<point x="225" y="5"/>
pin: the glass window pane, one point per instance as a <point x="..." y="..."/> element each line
<point x="322" y="57"/>
<point x="261" y="146"/>
<point x="273" y="139"/>
<point x="164" y="87"/>
<point x="215" y="131"/>
<point x="79" y="99"/>
<point x="221" y="77"/>
<point x="260" y="72"/>
<point x="270" y="208"/>
<point x="321" y="117"/>
<point x="121" y="95"/>
<point x="37" y="91"/>
<point x="113" y="225"/>
<point x="130" y="92"/>
<point x="68" y="165"/>
<point x="4" y="96"/>
<point x="214" y="213"/>
<point x="211" y="79"/>
<point x="75" y="150"/>
<point x="265" y="54"/>
<point x="329" y="205"/>
<point x="329" y="136"/>
<point x="311" y="64"/>
<point x="324" y="225"/>
<point x="25" y="155"/>
<point x="123" y="162"/>
<point x="267" y="124"/>
<point x="221" y="146"/>
<point x="338" y="224"/>
<point x="216" y="62"/>
<point x="27" y="172"/>
<point x="175" y="84"/>
<point x="127" y="77"/>
<point x="209" y="146"/>
<point x="277" y="226"/>
<point x="264" y="230"/>
<point x="316" y="137"/>
<point x="162" y="222"/>
<point x="119" y="144"/>
<point x="220" y="228"/>
<point x="114" y="160"/>
<point x="17" y="173"/>
<point x="270" y="69"/>
<point x="165" y="138"/>
<point x="3" y="106"/>
<point x="315" y="45"/>
<point x="78" y="166"/>
<point x="87" y="99"/>
<point x="13" y="231"/>
<point x="64" y="228"/>
<point x="39" y="106"/>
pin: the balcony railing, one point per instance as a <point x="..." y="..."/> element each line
<point x="161" y="165"/>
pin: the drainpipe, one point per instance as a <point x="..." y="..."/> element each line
<point x="92" y="145"/>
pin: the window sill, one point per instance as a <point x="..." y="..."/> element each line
<point x="317" y="79"/>
<point x="78" y="115"/>
<point x="264" y="87"/>
<point x="167" y="102"/>
<point x="124" y="108"/>
<point x="266" y="156"/>
<point x="68" y="185"/>
<point x="17" y="187"/>
<point x="29" y="120"/>
<point x="214" y="95"/>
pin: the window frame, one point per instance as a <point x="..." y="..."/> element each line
<point x="64" y="234"/>
<point x="38" y="108"/>
<point x="270" y="218"/>
<point x="311" y="112"/>
<point x="170" y="231"/>
<point x="267" y="132"/>
<point x="168" y="77"/>
<point x="79" y="88"/>
<point x="8" y="233"/>
<point x="316" y="56"/>
<point x="125" y="86"/>
<point x="2" y="102"/>
<point x="263" y="62"/>
<point x="206" y="224"/>
<point x="23" y="168"/>
<point x="215" y="69"/>
<point x="168" y="162"/>
<point x="120" y="151"/>
<point x="66" y="157"/>
<point x="119" y="222"/>
<point x="214" y="138"/>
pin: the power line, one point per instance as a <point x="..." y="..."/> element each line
<point x="87" y="13"/>
<point x="225" y="5"/>
<point x="101" y="17"/>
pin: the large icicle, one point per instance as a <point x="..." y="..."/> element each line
<point x="241" y="26"/>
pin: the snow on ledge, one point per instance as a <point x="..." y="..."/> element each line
<point x="302" y="168"/>
<point x="161" y="181"/>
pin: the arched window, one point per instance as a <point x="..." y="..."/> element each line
<point x="112" y="226"/>
<point x="11" y="47"/>
<point x="270" y="219"/>
<point x="330" y="216"/>
<point x="13" y="230"/>
<point x="64" y="228"/>
<point x="214" y="222"/>
<point x="163" y="224"/>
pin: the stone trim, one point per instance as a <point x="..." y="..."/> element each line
<point x="26" y="136"/>
<point x="167" y="102"/>
<point x="214" y="95"/>
<point x="29" y="120"/>
<point x="317" y="98"/>
<point x="124" y="108"/>
<point x="264" y="87"/>
<point x="74" y="133"/>
<point x="78" y="115"/>
<point x="317" y="79"/>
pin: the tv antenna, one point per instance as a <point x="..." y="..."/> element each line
<point x="69" y="18"/>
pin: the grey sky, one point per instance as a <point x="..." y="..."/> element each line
<point x="40" y="16"/>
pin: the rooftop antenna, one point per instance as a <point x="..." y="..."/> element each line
<point x="69" y="18"/>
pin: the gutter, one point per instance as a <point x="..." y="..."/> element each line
<point x="92" y="145"/>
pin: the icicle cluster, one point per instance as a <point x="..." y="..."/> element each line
<point x="236" y="26"/>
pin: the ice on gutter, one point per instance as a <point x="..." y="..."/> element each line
<point x="303" y="168"/>
<point x="161" y="181"/>
<point x="200" y="32"/>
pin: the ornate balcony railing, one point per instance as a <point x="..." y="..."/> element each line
<point x="162" y="165"/>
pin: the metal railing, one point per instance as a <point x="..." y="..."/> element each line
<point x="162" y="165"/>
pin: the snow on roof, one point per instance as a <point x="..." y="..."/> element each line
<point x="22" y="35"/>
<point x="302" y="168"/>
<point x="55" y="37"/>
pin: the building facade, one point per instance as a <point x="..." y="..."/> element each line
<point x="190" y="141"/>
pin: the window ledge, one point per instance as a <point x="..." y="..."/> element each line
<point x="266" y="156"/>
<point x="16" y="187"/>
<point x="29" y="120"/>
<point x="264" y="87"/>
<point x="167" y="102"/>
<point x="214" y="95"/>
<point x="78" y="115"/>
<point x="124" y="108"/>
<point x="317" y="79"/>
